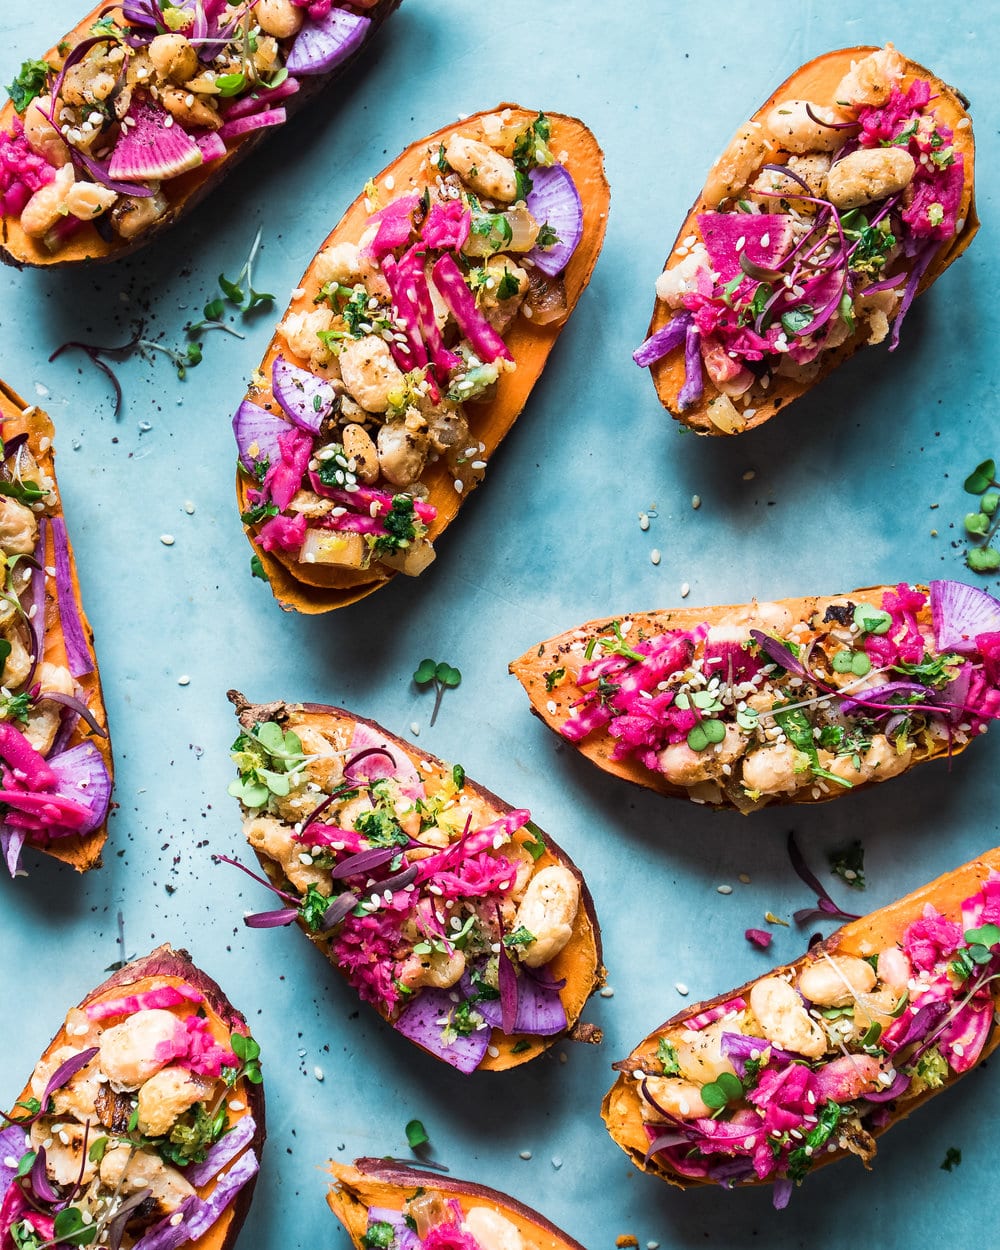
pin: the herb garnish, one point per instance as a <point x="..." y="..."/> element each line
<point x="442" y="675"/>
<point x="666" y="1055"/>
<point x="952" y="1158"/>
<point x="247" y="1051"/>
<point x="981" y="526"/>
<point x="269" y="760"/>
<point x="400" y="524"/>
<point x="416" y="1134"/>
<point x="29" y="84"/>
<point x="848" y="863"/>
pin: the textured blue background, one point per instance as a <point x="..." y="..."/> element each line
<point x="841" y="497"/>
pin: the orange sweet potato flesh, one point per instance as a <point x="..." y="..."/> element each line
<point x="375" y="1183"/>
<point x="313" y="588"/>
<point x="86" y="246"/>
<point x="621" y="1107"/>
<point x="166" y="966"/>
<point x="18" y="417"/>
<point x="816" y="81"/>
<point x="580" y="961"/>
<point x="530" y="670"/>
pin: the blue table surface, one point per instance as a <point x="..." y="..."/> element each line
<point x="844" y="490"/>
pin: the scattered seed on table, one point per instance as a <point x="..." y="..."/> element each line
<point x="184" y="680"/>
<point x="318" y="1073"/>
<point x="745" y="878"/>
<point x="685" y="590"/>
<point x="681" y="988"/>
<point x="189" y="507"/>
<point x="654" y="555"/>
<point x="607" y="992"/>
<point x="525" y="1154"/>
<point x="414" y="729"/>
<point x="724" y="889"/>
<point x="749" y="475"/>
<point x="167" y="540"/>
<point x="696" y="502"/>
<point x="643" y="521"/>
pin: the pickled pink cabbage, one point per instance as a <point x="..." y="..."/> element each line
<point x="22" y="171"/>
<point x="447" y="226"/>
<point x="285" y="475"/>
<point x="930" y="939"/>
<point x="282" y="533"/>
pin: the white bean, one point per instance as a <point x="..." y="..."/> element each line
<point x="783" y="1019"/>
<point x="547" y="911"/>
<point x="867" y="175"/>
<point x="836" y="980"/>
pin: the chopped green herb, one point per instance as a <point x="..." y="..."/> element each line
<point x="535" y="848"/>
<point x="531" y="147"/>
<point x="547" y="237"/>
<point x="666" y="1055"/>
<point x="400" y="526"/>
<point x="798" y="320"/>
<point x="29" y="84"/>
<point x="520" y="1047"/>
<point x="257" y="569"/>
<point x="848" y="863"/>
<point x="952" y="1158"/>
<point x="520" y="937"/>
<point x="553" y="678"/>
<point x="458" y="777"/>
<point x="379" y="1236"/>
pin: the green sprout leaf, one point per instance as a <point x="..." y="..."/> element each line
<point x="443" y="676"/>
<point x="983" y="559"/>
<point x="989" y="502"/>
<point x="416" y="1134"/>
<point x="981" y="477"/>
<point x="977" y="524"/>
<point x="426" y="671"/>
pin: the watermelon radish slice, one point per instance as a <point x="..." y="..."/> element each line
<point x="323" y="43"/>
<point x="152" y="146"/>
<point x="959" y="613"/>
<point x="555" y="201"/>
<point x="257" y="432"/>
<point x="763" y="239"/>
<point x="306" y="398"/>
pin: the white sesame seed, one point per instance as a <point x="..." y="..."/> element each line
<point x="749" y="475"/>
<point x="654" y="556"/>
<point x="696" y="502"/>
<point x="551" y="707"/>
<point x="724" y="889"/>
<point x="607" y="992"/>
<point x="167" y="540"/>
<point x="525" y="1154"/>
<point x="305" y="858"/>
<point x="685" y="590"/>
<point x="681" y="989"/>
<point x="176" y="1218"/>
<point x="643" y="521"/>
<point x="184" y="680"/>
<point x="237" y="1104"/>
<point x="189" y="507"/>
<point x="318" y="1073"/>
<point x="493" y="1051"/>
<point x="745" y="878"/>
<point x="459" y="485"/>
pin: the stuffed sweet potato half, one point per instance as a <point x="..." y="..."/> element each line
<point x="54" y="745"/>
<point x="816" y="1060"/>
<point x="143" y="107"/>
<point x="462" y="924"/>
<point x="142" y="1123"/>
<point x="845" y="196"/>
<point x="796" y="701"/>
<point x="410" y="347"/>
<point x="402" y="1208"/>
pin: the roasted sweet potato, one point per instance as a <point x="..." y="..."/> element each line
<point x="847" y="194"/>
<point x="817" y="1059"/>
<point x="53" y="726"/>
<point x="375" y="1192"/>
<point x="410" y="347"/>
<point x="462" y="923"/>
<point x="796" y="701"/>
<point x="145" y="1115"/>
<point x="152" y="110"/>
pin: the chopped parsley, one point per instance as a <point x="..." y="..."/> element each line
<point x="400" y="525"/>
<point x="379" y="1236"/>
<point x="29" y="83"/>
<point x="666" y="1056"/>
<point x="547" y="237"/>
<point x="553" y="679"/>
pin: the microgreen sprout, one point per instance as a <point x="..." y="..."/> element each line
<point x="981" y="526"/>
<point x="848" y="863"/>
<point x="666" y="1055"/>
<point x="249" y="299"/>
<point x="247" y="1051"/>
<point x="416" y="1135"/>
<point x="269" y="762"/>
<point x="952" y="1158"/>
<point x="726" y="1088"/>
<point x="442" y="675"/>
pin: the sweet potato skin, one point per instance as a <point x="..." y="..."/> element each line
<point x="166" y="966"/>
<point x="580" y="961"/>
<point x="86" y="246"/>
<point x="530" y="346"/>
<point x="530" y="670"/>
<point x="621" y="1109"/>
<point x="374" y="1183"/>
<point x="815" y="80"/>
<point x="18" y="417"/>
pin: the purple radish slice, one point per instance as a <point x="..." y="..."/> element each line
<point x="959" y="613"/>
<point x="83" y="777"/>
<point x="307" y="399"/>
<point x="74" y="636"/>
<point x="257" y="432"/>
<point x="153" y="146"/>
<point x="322" y="44"/>
<point x="419" y="1022"/>
<point x="256" y="121"/>
<point x="554" y="201"/>
<point x="539" y="1010"/>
